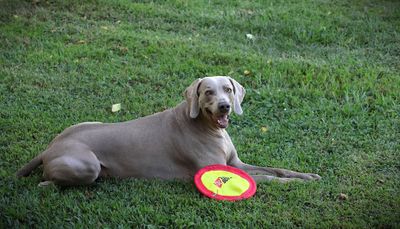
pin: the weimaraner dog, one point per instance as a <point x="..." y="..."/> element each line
<point x="173" y="144"/>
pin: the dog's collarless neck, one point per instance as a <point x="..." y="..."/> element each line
<point x="198" y="124"/>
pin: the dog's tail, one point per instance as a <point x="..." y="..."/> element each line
<point x="28" y="168"/>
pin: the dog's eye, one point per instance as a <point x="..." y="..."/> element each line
<point x="228" y="90"/>
<point x="209" y="92"/>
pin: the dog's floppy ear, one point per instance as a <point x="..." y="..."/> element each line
<point x="192" y="97"/>
<point x="239" y="92"/>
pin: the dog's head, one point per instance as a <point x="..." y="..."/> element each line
<point x="215" y="98"/>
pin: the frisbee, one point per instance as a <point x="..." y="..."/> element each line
<point x="224" y="182"/>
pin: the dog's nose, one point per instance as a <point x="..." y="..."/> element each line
<point x="224" y="107"/>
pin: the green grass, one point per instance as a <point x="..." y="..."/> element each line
<point x="324" y="81"/>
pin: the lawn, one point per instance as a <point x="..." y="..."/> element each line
<point x="323" y="96"/>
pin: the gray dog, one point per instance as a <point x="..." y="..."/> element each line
<point x="173" y="144"/>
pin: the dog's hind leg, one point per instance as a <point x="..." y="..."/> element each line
<point x="73" y="168"/>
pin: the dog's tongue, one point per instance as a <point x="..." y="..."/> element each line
<point x="223" y="121"/>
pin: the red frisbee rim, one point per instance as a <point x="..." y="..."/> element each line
<point x="247" y="194"/>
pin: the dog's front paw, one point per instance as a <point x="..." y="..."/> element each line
<point x="313" y="176"/>
<point x="307" y="176"/>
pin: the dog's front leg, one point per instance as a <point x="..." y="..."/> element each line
<point x="267" y="174"/>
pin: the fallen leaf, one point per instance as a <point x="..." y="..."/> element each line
<point x="343" y="196"/>
<point x="26" y="41"/>
<point x="249" y="12"/>
<point x="123" y="49"/>
<point x="116" y="107"/>
<point x="246" y="72"/>
<point x="250" y="36"/>
<point x="88" y="194"/>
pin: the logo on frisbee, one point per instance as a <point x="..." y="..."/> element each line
<point x="221" y="181"/>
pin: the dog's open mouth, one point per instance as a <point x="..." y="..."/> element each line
<point x="223" y="121"/>
<point x="220" y="120"/>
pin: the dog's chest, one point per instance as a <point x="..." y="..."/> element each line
<point x="222" y="147"/>
<point x="227" y="147"/>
